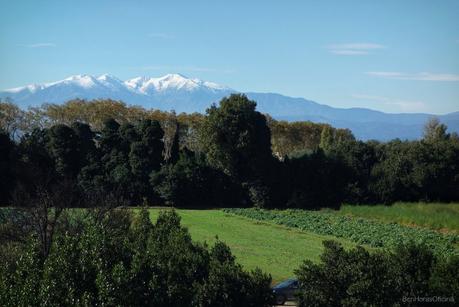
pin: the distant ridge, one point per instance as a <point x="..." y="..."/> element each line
<point x="182" y="94"/>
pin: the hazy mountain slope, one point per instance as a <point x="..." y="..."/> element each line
<point x="364" y="123"/>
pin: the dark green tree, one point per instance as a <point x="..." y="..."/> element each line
<point x="346" y="278"/>
<point x="63" y="145"/>
<point x="128" y="134"/>
<point x="108" y="171"/>
<point x="192" y="183"/>
<point x="8" y="164"/>
<point x="359" y="159"/>
<point x="391" y="176"/>
<point x="236" y="139"/>
<point x="315" y="181"/>
<point x="358" y="277"/>
<point x="86" y="142"/>
<point x="228" y="285"/>
<point x="145" y="156"/>
<point x="110" y="138"/>
<point x="175" y="146"/>
<point x="33" y="150"/>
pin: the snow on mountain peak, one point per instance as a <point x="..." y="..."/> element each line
<point x="31" y="88"/>
<point x="175" y="76"/>
<point x="215" y="86"/>
<point x="85" y="81"/>
<point x="107" y="77"/>
<point x="80" y="80"/>
<point x="111" y="82"/>
<point x="174" y="81"/>
<point x="139" y="85"/>
<point x="170" y="82"/>
<point x="135" y="83"/>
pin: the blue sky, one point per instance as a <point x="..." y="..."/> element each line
<point x="393" y="56"/>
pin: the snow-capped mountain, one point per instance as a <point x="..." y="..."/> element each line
<point x="172" y="91"/>
<point x="78" y="86"/>
<point x="171" y="82"/>
<point x="182" y="94"/>
<point x="177" y="92"/>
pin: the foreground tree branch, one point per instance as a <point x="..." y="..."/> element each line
<point x="42" y="207"/>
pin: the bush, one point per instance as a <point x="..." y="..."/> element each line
<point x="229" y="285"/>
<point x="381" y="278"/>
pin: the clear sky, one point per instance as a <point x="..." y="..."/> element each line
<point x="393" y="56"/>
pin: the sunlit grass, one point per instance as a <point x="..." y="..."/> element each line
<point x="275" y="249"/>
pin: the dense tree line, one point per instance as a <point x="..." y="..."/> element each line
<point x="117" y="259"/>
<point x="286" y="138"/>
<point x="426" y="170"/>
<point x="224" y="159"/>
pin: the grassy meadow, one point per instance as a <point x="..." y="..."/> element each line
<point x="275" y="249"/>
<point x="280" y="249"/>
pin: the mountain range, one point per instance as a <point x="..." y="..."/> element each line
<point x="182" y="94"/>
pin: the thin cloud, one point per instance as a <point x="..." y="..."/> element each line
<point x="40" y="45"/>
<point x="422" y="76"/>
<point x="402" y="104"/>
<point x="349" y="52"/>
<point x="160" y="35"/>
<point x="184" y="68"/>
<point x="354" y="48"/>
<point x="358" y="46"/>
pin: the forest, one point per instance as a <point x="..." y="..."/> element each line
<point x="66" y="172"/>
<point x="233" y="156"/>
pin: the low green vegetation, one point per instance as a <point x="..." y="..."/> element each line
<point x="358" y="230"/>
<point x="444" y="217"/>
<point x="275" y="249"/>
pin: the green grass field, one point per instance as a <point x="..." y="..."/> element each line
<point x="275" y="249"/>
<point x="279" y="250"/>
<point x="443" y="217"/>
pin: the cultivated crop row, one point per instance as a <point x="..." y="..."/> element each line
<point x="358" y="230"/>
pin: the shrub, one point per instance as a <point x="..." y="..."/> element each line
<point x="360" y="278"/>
<point x="229" y="285"/>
